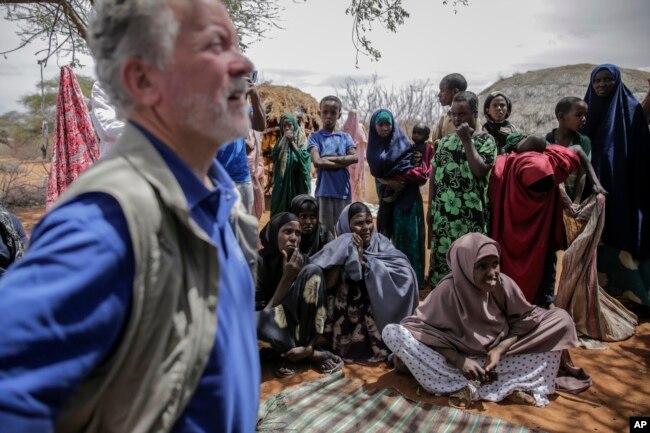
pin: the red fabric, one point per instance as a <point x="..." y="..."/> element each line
<point x="75" y="146"/>
<point x="420" y="174"/>
<point x="528" y="224"/>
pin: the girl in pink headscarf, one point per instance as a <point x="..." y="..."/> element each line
<point x="357" y="171"/>
<point x="475" y="337"/>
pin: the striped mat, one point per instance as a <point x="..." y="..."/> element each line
<point x="336" y="404"/>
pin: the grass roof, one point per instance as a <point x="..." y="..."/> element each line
<point x="279" y="100"/>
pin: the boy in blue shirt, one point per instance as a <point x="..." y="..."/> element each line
<point x="331" y="152"/>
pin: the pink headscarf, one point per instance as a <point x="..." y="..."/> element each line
<point x="357" y="171"/>
<point x="460" y="316"/>
<point x="354" y="128"/>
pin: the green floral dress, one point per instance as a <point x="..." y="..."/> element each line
<point x="460" y="201"/>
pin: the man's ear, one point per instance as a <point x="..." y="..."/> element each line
<point x="559" y="116"/>
<point x="139" y="81"/>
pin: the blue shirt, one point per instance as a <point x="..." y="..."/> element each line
<point x="65" y="306"/>
<point x="332" y="183"/>
<point x="232" y="157"/>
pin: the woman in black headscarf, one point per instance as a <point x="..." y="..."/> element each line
<point x="497" y="109"/>
<point x="314" y="235"/>
<point x="290" y="297"/>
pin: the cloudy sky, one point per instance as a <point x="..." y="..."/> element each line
<point x="485" y="41"/>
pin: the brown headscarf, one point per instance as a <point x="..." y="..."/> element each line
<point x="460" y="316"/>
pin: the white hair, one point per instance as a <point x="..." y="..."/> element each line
<point x="122" y="29"/>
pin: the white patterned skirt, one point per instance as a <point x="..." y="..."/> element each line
<point x="533" y="372"/>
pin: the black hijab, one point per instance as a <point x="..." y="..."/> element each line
<point x="498" y="130"/>
<point x="312" y="243"/>
<point x="269" y="271"/>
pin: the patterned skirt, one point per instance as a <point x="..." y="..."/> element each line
<point x="300" y="316"/>
<point x="350" y="326"/>
<point x="532" y="372"/>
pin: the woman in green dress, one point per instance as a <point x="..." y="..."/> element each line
<point x="400" y="168"/>
<point x="291" y="165"/>
<point x="459" y="185"/>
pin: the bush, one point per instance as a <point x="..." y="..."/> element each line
<point x="16" y="190"/>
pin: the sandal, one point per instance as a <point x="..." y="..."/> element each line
<point x="284" y="369"/>
<point x="325" y="366"/>
<point x="461" y="399"/>
<point x="521" y="397"/>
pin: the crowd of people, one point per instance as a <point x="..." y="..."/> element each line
<point x="151" y="277"/>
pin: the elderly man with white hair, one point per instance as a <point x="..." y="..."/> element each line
<point x="133" y="310"/>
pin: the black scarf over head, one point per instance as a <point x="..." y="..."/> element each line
<point x="269" y="271"/>
<point x="312" y="243"/>
<point x="498" y="130"/>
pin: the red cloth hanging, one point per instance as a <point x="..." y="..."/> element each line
<point x="75" y="145"/>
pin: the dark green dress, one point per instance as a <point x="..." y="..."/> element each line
<point x="460" y="201"/>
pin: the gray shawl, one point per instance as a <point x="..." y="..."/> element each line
<point x="390" y="279"/>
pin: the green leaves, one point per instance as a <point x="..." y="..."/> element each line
<point x="388" y="13"/>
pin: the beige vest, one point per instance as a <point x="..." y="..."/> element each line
<point x="151" y="374"/>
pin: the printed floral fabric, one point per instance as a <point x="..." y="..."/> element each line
<point x="460" y="201"/>
<point x="75" y="145"/>
<point x="350" y="324"/>
<point x="299" y="317"/>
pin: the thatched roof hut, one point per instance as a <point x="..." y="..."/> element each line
<point x="535" y="93"/>
<point x="279" y="100"/>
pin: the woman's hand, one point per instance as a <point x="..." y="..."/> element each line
<point x="465" y="132"/>
<point x="493" y="358"/>
<point x="472" y="370"/>
<point x="358" y="242"/>
<point x="298" y="353"/>
<point x="292" y="266"/>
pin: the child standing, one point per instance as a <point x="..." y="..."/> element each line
<point x="458" y="191"/>
<point x="571" y="115"/>
<point x="331" y="152"/>
<point x="449" y="86"/>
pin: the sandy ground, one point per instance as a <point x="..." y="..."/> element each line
<point x="620" y="375"/>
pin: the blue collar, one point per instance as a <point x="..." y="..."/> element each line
<point x="194" y="189"/>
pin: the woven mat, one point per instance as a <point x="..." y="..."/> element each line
<point x="336" y="404"/>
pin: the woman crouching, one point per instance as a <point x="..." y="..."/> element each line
<point x="290" y="295"/>
<point x="475" y="337"/>
<point x="370" y="284"/>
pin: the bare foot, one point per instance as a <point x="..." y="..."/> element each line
<point x="521" y="397"/>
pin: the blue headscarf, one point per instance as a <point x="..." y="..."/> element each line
<point x="390" y="156"/>
<point x="620" y="143"/>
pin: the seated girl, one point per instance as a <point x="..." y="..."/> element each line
<point x="370" y="284"/>
<point x="290" y="295"/>
<point x="314" y="235"/>
<point x="475" y="337"/>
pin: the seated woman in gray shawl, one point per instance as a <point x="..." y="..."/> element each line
<point x="370" y="284"/>
<point x="475" y="337"/>
<point x="290" y="294"/>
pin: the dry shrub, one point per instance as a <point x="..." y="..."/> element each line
<point x="17" y="188"/>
